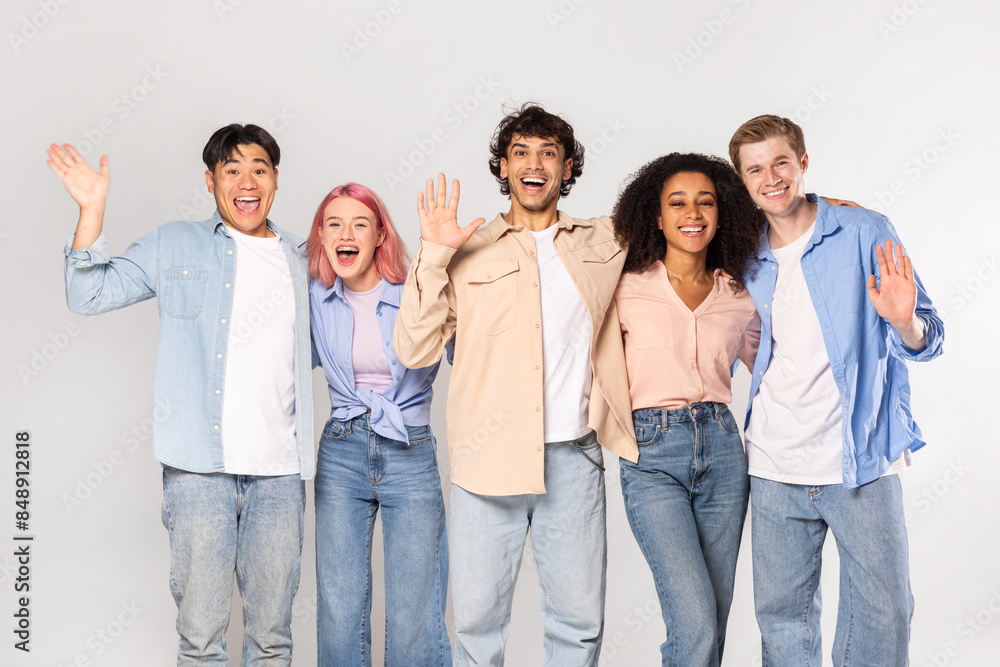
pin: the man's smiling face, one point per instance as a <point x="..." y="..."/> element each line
<point x="244" y="187"/>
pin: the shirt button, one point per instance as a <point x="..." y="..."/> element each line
<point x="216" y="427"/>
<point x="185" y="272"/>
<point x="380" y="314"/>
<point x="538" y="448"/>
<point x="534" y="284"/>
<point x="537" y="325"/>
<point x="230" y="252"/>
<point x="536" y="367"/>
<point x="218" y="356"/>
<point x="393" y="363"/>
<point x="537" y="408"/>
<point x="223" y="320"/>
<point x="387" y="344"/>
<point x="765" y="306"/>
<point x="397" y="378"/>
<point x="489" y="275"/>
<point x="774" y="268"/>
<point x="217" y="392"/>
<point x="227" y="284"/>
<point x="531" y="252"/>
<point x="600" y="257"/>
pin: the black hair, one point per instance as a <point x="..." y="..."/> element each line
<point x="531" y="120"/>
<point x="227" y="140"/>
<point x="736" y="241"/>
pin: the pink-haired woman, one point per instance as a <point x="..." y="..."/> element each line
<point x="377" y="450"/>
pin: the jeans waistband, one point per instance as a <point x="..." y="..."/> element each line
<point x="676" y="415"/>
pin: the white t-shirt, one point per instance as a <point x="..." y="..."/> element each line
<point x="796" y="426"/>
<point x="371" y="368"/>
<point x="566" y="335"/>
<point x="258" y="404"/>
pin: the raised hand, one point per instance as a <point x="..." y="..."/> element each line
<point x="87" y="187"/>
<point x="439" y="223"/>
<point x="895" y="299"/>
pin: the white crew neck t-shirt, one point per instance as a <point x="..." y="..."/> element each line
<point x="566" y="334"/>
<point x="258" y="406"/>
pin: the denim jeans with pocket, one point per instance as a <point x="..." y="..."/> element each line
<point x="789" y="524"/>
<point x="686" y="501"/>
<point x="568" y="538"/>
<point x="360" y="472"/>
<point x="222" y="524"/>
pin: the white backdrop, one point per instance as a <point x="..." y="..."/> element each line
<point x="898" y="99"/>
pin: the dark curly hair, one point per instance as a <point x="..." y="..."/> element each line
<point x="734" y="246"/>
<point x="531" y="120"/>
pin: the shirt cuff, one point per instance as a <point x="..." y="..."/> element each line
<point x="435" y="255"/>
<point x="97" y="253"/>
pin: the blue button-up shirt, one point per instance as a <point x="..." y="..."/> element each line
<point x="867" y="357"/>
<point x="407" y="399"/>
<point x="190" y="267"/>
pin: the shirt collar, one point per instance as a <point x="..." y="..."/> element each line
<point x="298" y="244"/>
<point x="390" y="293"/>
<point x="826" y="224"/>
<point x="499" y="226"/>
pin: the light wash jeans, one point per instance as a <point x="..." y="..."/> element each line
<point x="686" y="500"/>
<point x="567" y="525"/>
<point x="789" y="523"/>
<point x="358" y="473"/>
<point x="221" y="524"/>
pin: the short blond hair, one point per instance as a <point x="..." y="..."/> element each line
<point x="762" y="128"/>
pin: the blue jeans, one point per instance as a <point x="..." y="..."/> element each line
<point x="568" y="537"/>
<point x="686" y="500"/>
<point x="359" y="472"/>
<point x="789" y="523"/>
<point x="221" y="524"/>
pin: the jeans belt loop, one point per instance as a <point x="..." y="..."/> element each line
<point x="664" y="419"/>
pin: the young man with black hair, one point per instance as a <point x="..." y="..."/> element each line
<point x="538" y="368"/>
<point x="829" y="422"/>
<point x="234" y="365"/>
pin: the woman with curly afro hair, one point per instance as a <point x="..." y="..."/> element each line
<point x="692" y="233"/>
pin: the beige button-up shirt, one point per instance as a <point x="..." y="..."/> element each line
<point x="486" y="295"/>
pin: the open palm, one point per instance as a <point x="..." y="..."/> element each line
<point x="439" y="223"/>
<point x="895" y="299"/>
<point x="87" y="187"/>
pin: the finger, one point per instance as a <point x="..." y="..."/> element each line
<point x="73" y="154"/>
<point x="104" y="167"/>
<point x="889" y="255"/>
<point x="429" y="200"/>
<point x="908" y="270"/>
<point x="900" y="260"/>
<point x="420" y="206"/>
<point x="883" y="267"/>
<point x="59" y="156"/>
<point x="872" y="290"/>
<point x="442" y="190"/>
<point x="453" y="203"/>
<point x="471" y="228"/>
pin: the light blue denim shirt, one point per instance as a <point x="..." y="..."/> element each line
<point x="867" y="357"/>
<point x="407" y="399"/>
<point x="190" y="268"/>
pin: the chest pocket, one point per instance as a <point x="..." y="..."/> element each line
<point x="184" y="293"/>
<point x="493" y="288"/>
<point x="600" y="253"/>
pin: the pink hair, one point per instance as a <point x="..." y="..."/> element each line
<point x="391" y="257"/>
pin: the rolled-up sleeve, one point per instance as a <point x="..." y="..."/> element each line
<point x="97" y="282"/>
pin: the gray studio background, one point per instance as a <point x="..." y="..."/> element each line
<point x="898" y="99"/>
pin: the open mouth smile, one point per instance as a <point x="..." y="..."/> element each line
<point x="247" y="205"/>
